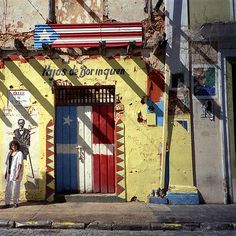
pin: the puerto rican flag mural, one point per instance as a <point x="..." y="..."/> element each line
<point x="84" y="149"/>
<point x="87" y="35"/>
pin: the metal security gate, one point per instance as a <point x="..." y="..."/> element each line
<point x="85" y="139"/>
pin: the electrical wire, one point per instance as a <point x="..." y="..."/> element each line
<point x="36" y="9"/>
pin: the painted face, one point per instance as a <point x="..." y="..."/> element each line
<point x="21" y="123"/>
<point x="201" y="80"/>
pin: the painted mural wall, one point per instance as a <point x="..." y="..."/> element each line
<point x="26" y="95"/>
<point x="25" y="112"/>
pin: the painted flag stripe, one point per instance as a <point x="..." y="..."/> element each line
<point x="74" y="45"/>
<point x="103" y="25"/>
<point x="85" y="140"/>
<point x="96" y="157"/>
<point x="93" y="40"/>
<point x="95" y="35"/>
<point x="103" y="149"/>
<point x="88" y="35"/>
<point x="99" y="30"/>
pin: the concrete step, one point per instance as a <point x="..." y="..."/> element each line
<point x="87" y="198"/>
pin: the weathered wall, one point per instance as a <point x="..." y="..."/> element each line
<point x="126" y="11"/>
<point x="141" y="142"/>
<point x="207" y="11"/>
<point x="207" y="134"/>
<point x="78" y="11"/>
<point x="22" y="17"/>
<point x="23" y="79"/>
<point x="181" y="179"/>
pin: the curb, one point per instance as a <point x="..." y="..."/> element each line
<point x="96" y="225"/>
<point x="6" y="224"/>
<point x="34" y="224"/>
<point x="217" y="226"/>
<point x="166" y="226"/>
<point x="99" y="225"/>
<point x="67" y="225"/>
<point x="137" y="227"/>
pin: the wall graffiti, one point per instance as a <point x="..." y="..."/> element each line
<point x="26" y="133"/>
<point x="82" y="71"/>
<point x="204" y="81"/>
<point x="22" y="135"/>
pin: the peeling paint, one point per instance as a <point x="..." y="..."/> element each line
<point x="20" y="24"/>
<point x="78" y="11"/>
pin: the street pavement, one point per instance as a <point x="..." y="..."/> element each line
<point x="72" y="232"/>
<point x="131" y="216"/>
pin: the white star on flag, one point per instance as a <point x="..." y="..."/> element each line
<point x="45" y="35"/>
<point x="67" y="120"/>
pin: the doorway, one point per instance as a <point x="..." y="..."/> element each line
<point x="84" y="137"/>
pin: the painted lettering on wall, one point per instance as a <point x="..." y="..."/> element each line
<point x="82" y="72"/>
<point x="19" y="97"/>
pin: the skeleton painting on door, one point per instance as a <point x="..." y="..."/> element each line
<point x="24" y="129"/>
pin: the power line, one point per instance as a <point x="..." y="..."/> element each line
<point x="36" y="9"/>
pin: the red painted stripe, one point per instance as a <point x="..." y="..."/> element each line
<point x="39" y="57"/>
<point x="111" y="174"/>
<point x="110" y="124"/>
<point x="74" y="45"/>
<point x="14" y="57"/>
<point x="121" y="25"/>
<point x="96" y="128"/>
<point x="96" y="174"/>
<point x="105" y="25"/>
<point x="78" y="45"/>
<point x="103" y="133"/>
<point x="103" y="124"/>
<point x="104" y="174"/>
<point x="96" y="158"/>
<point x="2" y="65"/>
<point x="103" y="140"/>
<point x="99" y="34"/>
<point x="110" y="140"/>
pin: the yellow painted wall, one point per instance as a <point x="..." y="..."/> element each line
<point x="23" y="76"/>
<point x="141" y="141"/>
<point x="180" y="157"/>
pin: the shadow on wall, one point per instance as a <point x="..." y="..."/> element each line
<point x="35" y="188"/>
<point x="91" y="13"/>
<point x="19" y="74"/>
<point x="129" y="81"/>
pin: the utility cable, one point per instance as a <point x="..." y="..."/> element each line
<point x="36" y="9"/>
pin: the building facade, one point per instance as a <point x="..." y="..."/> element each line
<point x="112" y="117"/>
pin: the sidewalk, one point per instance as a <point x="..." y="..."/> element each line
<point x="119" y="216"/>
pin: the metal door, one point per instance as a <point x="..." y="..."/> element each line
<point x="84" y="148"/>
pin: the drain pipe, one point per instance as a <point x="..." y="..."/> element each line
<point x="51" y="14"/>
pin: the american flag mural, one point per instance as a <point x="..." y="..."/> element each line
<point x="87" y="35"/>
<point x="84" y="149"/>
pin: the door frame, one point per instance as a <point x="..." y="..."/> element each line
<point x="105" y="96"/>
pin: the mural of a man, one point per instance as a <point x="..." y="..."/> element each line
<point x="22" y="135"/>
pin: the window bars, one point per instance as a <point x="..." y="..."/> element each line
<point x="84" y="95"/>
